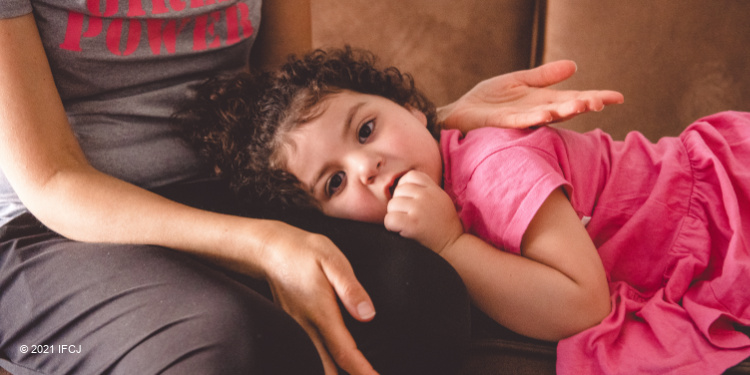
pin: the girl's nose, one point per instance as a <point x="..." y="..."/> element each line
<point x="368" y="167"/>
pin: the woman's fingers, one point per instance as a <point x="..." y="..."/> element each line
<point x="351" y="293"/>
<point x="329" y="366"/>
<point x="335" y="336"/>
<point x="547" y="74"/>
<point x="336" y="340"/>
<point x="611" y="97"/>
<point x="335" y="344"/>
<point x="306" y="272"/>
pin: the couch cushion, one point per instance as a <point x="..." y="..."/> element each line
<point x="495" y="350"/>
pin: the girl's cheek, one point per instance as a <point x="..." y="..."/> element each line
<point x="370" y="211"/>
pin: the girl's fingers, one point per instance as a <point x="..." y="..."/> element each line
<point x="395" y="221"/>
<point x="416" y="177"/>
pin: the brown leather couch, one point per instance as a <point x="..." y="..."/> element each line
<point x="674" y="61"/>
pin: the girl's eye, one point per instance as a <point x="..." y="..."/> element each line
<point x="335" y="183"/>
<point x="365" y="131"/>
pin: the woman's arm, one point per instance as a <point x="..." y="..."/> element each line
<point x="522" y="99"/>
<point x="44" y="163"/>
<point x="556" y="289"/>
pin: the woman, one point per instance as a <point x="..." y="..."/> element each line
<point x="86" y="89"/>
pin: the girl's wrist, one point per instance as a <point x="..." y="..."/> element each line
<point x="448" y="244"/>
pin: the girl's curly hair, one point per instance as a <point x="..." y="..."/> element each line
<point x="238" y="123"/>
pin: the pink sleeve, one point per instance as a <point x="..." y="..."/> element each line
<point x="505" y="191"/>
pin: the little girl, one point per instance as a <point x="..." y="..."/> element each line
<point x="633" y="254"/>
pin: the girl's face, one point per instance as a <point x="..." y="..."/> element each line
<point x="351" y="156"/>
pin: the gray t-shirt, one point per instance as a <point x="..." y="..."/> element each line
<point x="122" y="66"/>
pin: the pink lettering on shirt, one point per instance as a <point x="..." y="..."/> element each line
<point x="95" y="6"/>
<point x="161" y="32"/>
<point x="135" y="9"/>
<point x="122" y="36"/>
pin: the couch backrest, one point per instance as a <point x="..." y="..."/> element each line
<point x="447" y="45"/>
<point x="674" y="61"/>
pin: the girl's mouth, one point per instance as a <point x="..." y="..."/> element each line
<point x="392" y="188"/>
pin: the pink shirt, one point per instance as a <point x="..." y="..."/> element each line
<point x="670" y="220"/>
<point x="499" y="178"/>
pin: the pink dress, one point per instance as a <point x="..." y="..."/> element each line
<point x="671" y="222"/>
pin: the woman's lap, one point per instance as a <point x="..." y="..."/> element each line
<point x="136" y="309"/>
<point x="142" y="308"/>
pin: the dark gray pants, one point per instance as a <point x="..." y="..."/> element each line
<point x="145" y="309"/>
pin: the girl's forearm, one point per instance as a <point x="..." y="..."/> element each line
<point x="526" y="296"/>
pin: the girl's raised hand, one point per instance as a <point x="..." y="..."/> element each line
<point x="522" y="99"/>
<point x="423" y="211"/>
<point x="306" y="272"/>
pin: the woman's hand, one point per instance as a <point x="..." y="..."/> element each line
<point x="305" y="272"/>
<point x="522" y="99"/>
<point x="424" y="212"/>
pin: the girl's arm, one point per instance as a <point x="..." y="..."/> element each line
<point x="556" y="289"/>
<point x="522" y="99"/>
<point x="44" y="163"/>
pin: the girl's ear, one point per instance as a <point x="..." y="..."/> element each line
<point x="418" y="114"/>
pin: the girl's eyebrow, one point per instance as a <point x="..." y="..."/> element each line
<point x="350" y="118"/>
<point x="345" y="130"/>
